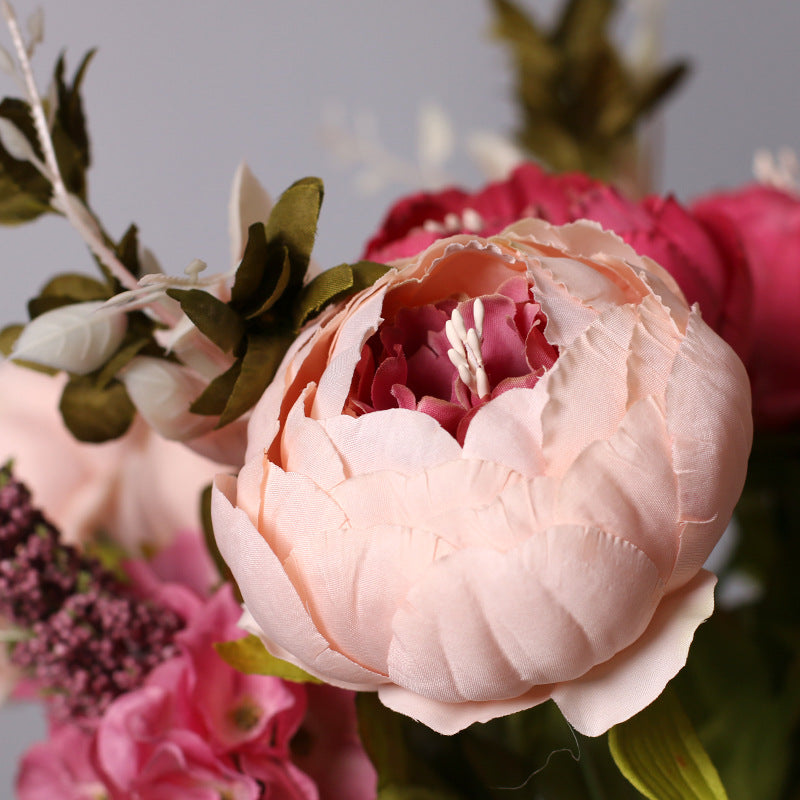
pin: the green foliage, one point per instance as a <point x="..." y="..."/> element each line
<point x="24" y="193"/>
<point x="95" y="413"/>
<point x="580" y="102"/>
<point x="249" y="655"/>
<point x="659" y="753"/>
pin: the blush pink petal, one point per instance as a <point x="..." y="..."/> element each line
<point x="556" y="622"/>
<point x="452" y="490"/>
<point x="409" y="442"/>
<point x="709" y="441"/>
<point x="280" y="612"/>
<point x="626" y="483"/>
<point x="616" y="690"/>
<point x="334" y="384"/>
<point x="587" y="388"/>
<point x="508" y="431"/>
<point x="450" y="718"/>
<point x="322" y="564"/>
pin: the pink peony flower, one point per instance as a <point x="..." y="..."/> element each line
<point x="659" y="227"/>
<point x="141" y="489"/>
<point x="470" y="535"/>
<point x="764" y="224"/>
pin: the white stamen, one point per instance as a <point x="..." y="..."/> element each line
<point x="458" y="324"/>
<point x="452" y="337"/>
<point x="195" y="268"/>
<point x="474" y="347"/>
<point x="482" y="381"/>
<point x="465" y="375"/>
<point x="471" y="221"/>
<point x="457" y="360"/>
<point x="465" y="354"/>
<point x="479" y="314"/>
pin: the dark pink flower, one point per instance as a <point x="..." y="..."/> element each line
<point x="658" y="227"/>
<point x="762" y="224"/>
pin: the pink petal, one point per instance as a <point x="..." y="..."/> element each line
<point x="321" y="565"/>
<point x="450" y="718"/>
<point x="626" y="485"/>
<point x="508" y="431"/>
<point x="279" y="612"/>
<point x="588" y="389"/>
<point x="408" y="441"/>
<point x="708" y="417"/>
<point x="483" y="625"/>
<point x="616" y="690"/>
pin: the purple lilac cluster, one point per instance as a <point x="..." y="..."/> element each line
<point x="86" y="637"/>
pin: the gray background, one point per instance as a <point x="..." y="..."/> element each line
<point x="182" y="90"/>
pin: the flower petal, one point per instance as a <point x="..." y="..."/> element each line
<point x="279" y="612"/>
<point x="621" y="687"/>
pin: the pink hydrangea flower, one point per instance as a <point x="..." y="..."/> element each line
<point x="199" y="729"/>
<point x="522" y="516"/>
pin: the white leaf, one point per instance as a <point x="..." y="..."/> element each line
<point x="77" y="338"/>
<point x="249" y="203"/>
<point x="14" y="141"/>
<point x="435" y="136"/>
<point x="162" y="392"/>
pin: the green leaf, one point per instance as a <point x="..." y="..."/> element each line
<point x="214" y="319"/>
<point x="293" y="224"/>
<point x="660" y="754"/>
<point x="212" y="401"/>
<point x="94" y="414"/>
<point x="211" y="542"/>
<point x="262" y="275"/>
<point x="70" y="138"/>
<point x="335" y="284"/>
<point x="127" y="251"/>
<point x="259" y="364"/>
<point x="66" y="289"/>
<point x="24" y="192"/>
<point x="8" y="336"/>
<point x="249" y="655"/>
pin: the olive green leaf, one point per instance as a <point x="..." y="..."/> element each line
<point x="333" y="285"/>
<point x="8" y="336"/>
<point x="216" y="320"/>
<point x="24" y="192"/>
<point x="580" y="101"/>
<point x="293" y="223"/>
<point x="214" y="398"/>
<point x="659" y="753"/>
<point x="65" y="289"/>
<point x="249" y="655"/>
<point x="94" y="414"/>
<point x="258" y="367"/>
<point x="70" y="138"/>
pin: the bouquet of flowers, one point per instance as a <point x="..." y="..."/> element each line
<point x="426" y="524"/>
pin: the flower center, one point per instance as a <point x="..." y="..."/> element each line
<point x="450" y="358"/>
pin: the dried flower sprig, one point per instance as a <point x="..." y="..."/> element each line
<point x="80" y="634"/>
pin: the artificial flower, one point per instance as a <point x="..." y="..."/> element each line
<point x="140" y="490"/>
<point x="473" y="507"/>
<point x="763" y="224"/>
<point x="709" y="273"/>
